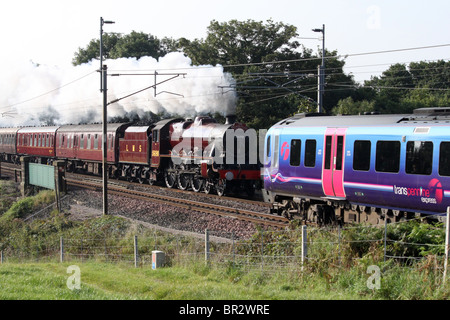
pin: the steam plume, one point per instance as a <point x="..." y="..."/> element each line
<point x="39" y="95"/>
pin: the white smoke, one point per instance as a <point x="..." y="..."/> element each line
<point x="34" y="94"/>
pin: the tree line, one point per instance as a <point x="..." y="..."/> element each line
<point x="276" y="76"/>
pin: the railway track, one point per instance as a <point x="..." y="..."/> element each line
<point x="203" y="207"/>
<point x="127" y="189"/>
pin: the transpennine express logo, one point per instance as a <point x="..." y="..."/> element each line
<point x="285" y="151"/>
<point x="426" y="194"/>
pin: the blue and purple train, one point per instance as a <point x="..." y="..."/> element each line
<point x="365" y="168"/>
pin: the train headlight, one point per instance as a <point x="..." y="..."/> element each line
<point x="229" y="175"/>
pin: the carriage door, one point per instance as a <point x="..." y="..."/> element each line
<point x="155" y="148"/>
<point x="333" y="162"/>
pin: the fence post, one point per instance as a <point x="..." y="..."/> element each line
<point x="136" y="255"/>
<point x="232" y="247"/>
<point x="61" y="249"/>
<point x="385" y="236"/>
<point x="447" y="243"/>
<point x="262" y="250"/>
<point x="304" y="245"/>
<point x="206" y="245"/>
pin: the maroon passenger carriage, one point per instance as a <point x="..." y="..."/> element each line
<point x="38" y="143"/>
<point x="8" y="152"/>
<point x="81" y="146"/>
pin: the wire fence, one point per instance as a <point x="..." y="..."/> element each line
<point x="405" y="242"/>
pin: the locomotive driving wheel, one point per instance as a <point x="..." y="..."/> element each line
<point x="183" y="181"/>
<point x="197" y="184"/>
<point x="221" y="186"/>
<point x="170" y="178"/>
<point x="208" y="186"/>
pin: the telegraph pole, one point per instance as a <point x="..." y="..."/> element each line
<point x="104" y="89"/>
<point x="321" y="73"/>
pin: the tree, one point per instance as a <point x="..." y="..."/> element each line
<point x="275" y="76"/>
<point x="135" y="44"/>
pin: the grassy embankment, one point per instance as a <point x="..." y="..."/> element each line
<point x="325" y="277"/>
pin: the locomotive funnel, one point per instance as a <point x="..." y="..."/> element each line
<point x="230" y="119"/>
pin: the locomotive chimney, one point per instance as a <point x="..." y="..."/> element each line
<point x="230" y="119"/>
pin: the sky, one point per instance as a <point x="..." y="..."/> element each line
<point x="49" y="32"/>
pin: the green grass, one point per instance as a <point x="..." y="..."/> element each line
<point x="100" y="281"/>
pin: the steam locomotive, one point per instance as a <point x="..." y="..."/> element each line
<point x="183" y="153"/>
<point x="359" y="168"/>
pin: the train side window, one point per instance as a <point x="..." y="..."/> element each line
<point x="110" y="141"/>
<point x="268" y="147"/>
<point x="82" y="141"/>
<point x="444" y="159"/>
<point x="88" y="142"/>
<point x="310" y="153"/>
<point x="419" y="157"/>
<point x="296" y="148"/>
<point x="388" y="156"/>
<point x="361" y="155"/>
<point x="96" y="141"/>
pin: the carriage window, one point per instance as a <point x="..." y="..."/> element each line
<point x="268" y="147"/>
<point x="96" y="141"/>
<point x="88" y="141"/>
<point x="47" y="141"/>
<point x="361" y="155"/>
<point x="296" y="146"/>
<point x="419" y="157"/>
<point x="310" y="153"/>
<point x="444" y="159"/>
<point x="388" y="156"/>
<point x="82" y="142"/>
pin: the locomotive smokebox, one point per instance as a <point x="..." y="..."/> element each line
<point x="230" y="119"/>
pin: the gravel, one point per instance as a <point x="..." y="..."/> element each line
<point x="86" y="204"/>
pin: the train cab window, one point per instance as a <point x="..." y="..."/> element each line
<point x="155" y="136"/>
<point x="444" y="159"/>
<point x="310" y="153"/>
<point x="361" y="155"/>
<point x="296" y="146"/>
<point x="388" y="156"/>
<point x="268" y="147"/>
<point x="419" y="157"/>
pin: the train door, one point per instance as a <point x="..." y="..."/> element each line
<point x="155" y="149"/>
<point x="333" y="162"/>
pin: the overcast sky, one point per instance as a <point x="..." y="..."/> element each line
<point x="50" y="31"/>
